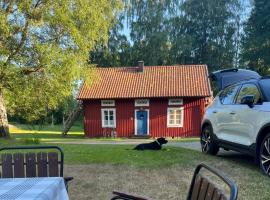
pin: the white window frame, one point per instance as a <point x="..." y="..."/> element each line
<point x="109" y="103"/>
<point x="181" y="117"/>
<point x="103" y="117"/>
<point x="141" y="104"/>
<point x="171" y="103"/>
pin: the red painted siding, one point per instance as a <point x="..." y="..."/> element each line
<point x="191" y="120"/>
<point x="125" y="113"/>
<point x="124" y="118"/>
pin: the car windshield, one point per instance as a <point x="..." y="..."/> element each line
<point x="265" y="84"/>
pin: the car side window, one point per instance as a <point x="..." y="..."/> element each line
<point x="249" y="89"/>
<point x="227" y="96"/>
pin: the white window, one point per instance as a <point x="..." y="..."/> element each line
<point x="108" y="118"/>
<point x="107" y="103"/>
<point x="175" y="101"/>
<point x="141" y="102"/>
<point x="175" y="117"/>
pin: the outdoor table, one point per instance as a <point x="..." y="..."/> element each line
<point x="49" y="188"/>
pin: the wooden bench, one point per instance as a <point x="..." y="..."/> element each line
<point x="41" y="161"/>
<point x="201" y="188"/>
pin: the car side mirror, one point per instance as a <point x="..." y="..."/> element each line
<point x="248" y="100"/>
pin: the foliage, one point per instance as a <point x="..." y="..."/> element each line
<point x="256" y="43"/>
<point x="44" y="49"/>
<point x="209" y="27"/>
<point x="176" y="32"/>
<point x="116" y="52"/>
<point x="149" y="26"/>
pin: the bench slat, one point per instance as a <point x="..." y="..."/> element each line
<point x="216" y="195"/>
<point x="196" y="188"/>
<point x="30" y="161"/>
<point x="223" y="197"/>
<point x="210" y="191"/>
<point x="203" y="188"/>
<point x="7" y="169"/>
<point x="53" y="164"/>
<point x="18" y="165"/>
<point x="42" y="164"/>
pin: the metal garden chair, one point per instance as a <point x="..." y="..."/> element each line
<point x="201" y="188"/>
<point x="32" y="161"/>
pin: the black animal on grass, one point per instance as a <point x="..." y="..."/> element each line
<point x="156" y="145"/>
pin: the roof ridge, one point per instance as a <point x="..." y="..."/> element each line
<point x="155" y="66"/>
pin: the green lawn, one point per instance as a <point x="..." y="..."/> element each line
<point x="95" y="161"/>
<point x="47" y="133"/>
<point x="124" y="154"/>
<point x="95" y="167"/>
<point x="77" y="128"/>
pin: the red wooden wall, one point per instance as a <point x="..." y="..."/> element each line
<point x="125" y="111"/>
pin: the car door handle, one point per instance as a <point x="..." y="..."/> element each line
<point x="232" y="113"/>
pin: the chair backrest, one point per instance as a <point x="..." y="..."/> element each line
<point x="44" y="163"/>
<point x="202" y="188"/>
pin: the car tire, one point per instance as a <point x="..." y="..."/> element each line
<point x="264" y="155"/>
<point x="207" y="143"/>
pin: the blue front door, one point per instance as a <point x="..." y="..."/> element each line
<point x="141" y="117"/>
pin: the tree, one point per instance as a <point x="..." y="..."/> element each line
<point x="179" y="32"/>
<point x="148" y="22"/>
<point x="44" y="47"/>
<point x="209" y="27"/>
<point x="117" y="52"/>
<point x="256" y="43"/>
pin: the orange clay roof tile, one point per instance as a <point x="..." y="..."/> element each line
<point x="155" y="81"/>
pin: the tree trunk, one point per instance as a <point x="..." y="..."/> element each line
<point x="52" y="124"/>
<point x="71" y="119"/>
<point x="4" y="131"/>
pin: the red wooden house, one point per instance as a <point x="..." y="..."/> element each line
<point x="152" y="101"/>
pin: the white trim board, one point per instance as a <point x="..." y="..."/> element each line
<point x="141" y="102"/>
<point x="109" y="103"/>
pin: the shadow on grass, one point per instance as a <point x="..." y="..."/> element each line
<point x="47" y="136"/>
<point x="239" y="159"/>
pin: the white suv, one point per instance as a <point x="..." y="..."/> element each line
<point x="239" y="117"/>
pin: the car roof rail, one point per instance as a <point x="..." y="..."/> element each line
<point x="229" y="70"/>
<point x="265" y="77"/>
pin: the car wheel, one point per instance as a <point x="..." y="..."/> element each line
<point x="207" y="144"/>
<point x="264" y="156"/>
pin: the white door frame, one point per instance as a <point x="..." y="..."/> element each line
<point x="135" y="121"/>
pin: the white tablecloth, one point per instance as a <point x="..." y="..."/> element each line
<point x="48" y="188"/>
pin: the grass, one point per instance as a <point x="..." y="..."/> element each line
<point x="45" y="131"/>
<point x="174" y="165"/>
<point x="48" y="133"/>
<point x="165" y="174"/>
<point x="98" y="169"/>
<point x="123" y="154"/>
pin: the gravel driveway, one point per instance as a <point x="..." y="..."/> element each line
<point x="187" y="145"/>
